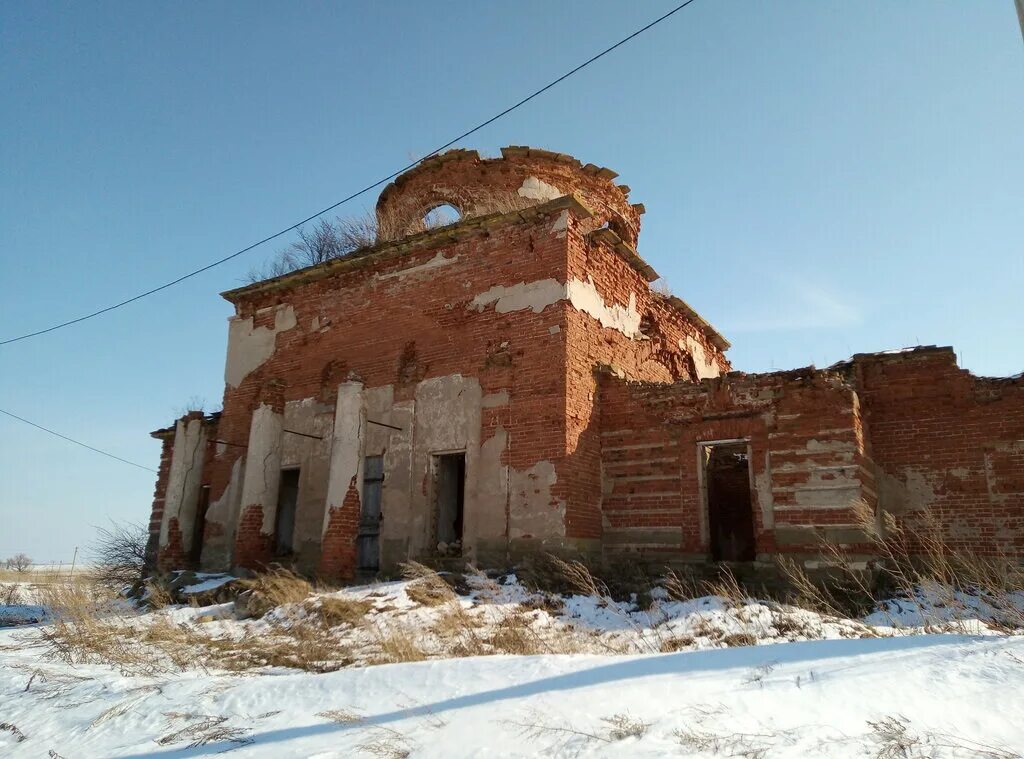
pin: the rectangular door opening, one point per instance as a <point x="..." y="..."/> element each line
<point x="729" y="502"/>
<point x="199" y="526"/>
<point x="284" y="522"/>
<point x="450" y="495"/>
<point x="368" y="539"/>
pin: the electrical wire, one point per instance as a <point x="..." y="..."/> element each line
<point x="76" y="442"/>
<point x="354" y="195"/>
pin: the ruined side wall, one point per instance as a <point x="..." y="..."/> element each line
<point x="949" y="448"/>
<point x="617" y="322"/>
<point x="809" y="465"/>
<point x="156" y="515"/>
<point x="454" y="308"/>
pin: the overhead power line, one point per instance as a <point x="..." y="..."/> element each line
<point x="76" y="442"/>
<point x="354" y="195"/>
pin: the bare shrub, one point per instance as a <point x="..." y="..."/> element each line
<point x="19" y="562"/>
<point x="271" y="589"/>
<point x="326" y="240"/>
<point x="119" y="553"/>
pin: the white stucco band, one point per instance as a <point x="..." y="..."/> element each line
<point x="183" y="480"/>
<point x="263" y="465"/>
<point x="346" y="447"/>
<point x="582" y="295"/>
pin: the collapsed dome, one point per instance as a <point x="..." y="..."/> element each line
<point x="463" y="184"/>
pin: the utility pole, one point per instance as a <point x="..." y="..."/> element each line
<point x="73" y="560"/>
<point x="1020" y="14"/>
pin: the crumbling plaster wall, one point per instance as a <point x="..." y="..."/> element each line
<point x="184" y="481"/>
<point x="401" y="325"/>
<point x="312" y="456"/>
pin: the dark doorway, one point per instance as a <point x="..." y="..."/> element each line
<point x="730" y="510"/>
<point x="287" y="500"/>
<point x="199" y="526"/>
<point x="450" y="497"/>
<point x="368" y="540"/>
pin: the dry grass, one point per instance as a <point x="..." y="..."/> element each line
<point x="10" y="595"/>
<point x="48" y="575"/>
<point x="915" y="560"/>
<point x="427" y="587"/>
<point x="396" y="644"/>
<point x="271" y="589"/>
<point x="206" y="729"/>
<point x="340" y="610"/>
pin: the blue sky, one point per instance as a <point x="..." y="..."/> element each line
<point x="821" y="178"/>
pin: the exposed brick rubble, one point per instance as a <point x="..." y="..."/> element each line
<point x="526" y="338"/>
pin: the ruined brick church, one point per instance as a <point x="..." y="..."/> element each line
<point x="510" y="383"/>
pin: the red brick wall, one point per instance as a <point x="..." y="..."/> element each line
<point x="949" y="444"/>
<point x="339" y="545"/>
<point x="806" y="457"/>
<point x="403" y="329"/>
<point x="911" y="433"/>
<point x="656" y="358"/>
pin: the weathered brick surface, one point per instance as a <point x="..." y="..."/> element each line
<point x="910" y="433"/>
<point x="339" y="544"/>
<point x="254" y="549"/>
<point x="948" y="444"/>
<point x="613" y="394"/>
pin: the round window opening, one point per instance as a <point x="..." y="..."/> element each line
<point x="440" y="216"/>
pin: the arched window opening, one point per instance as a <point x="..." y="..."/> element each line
<point x="441" y="215"/>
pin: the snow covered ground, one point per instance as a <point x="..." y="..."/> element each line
<point x="811" y="686"/>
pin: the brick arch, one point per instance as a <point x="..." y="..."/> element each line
<point x="521" y="177"/>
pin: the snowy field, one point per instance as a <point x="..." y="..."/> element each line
<point x="809" y="686"/>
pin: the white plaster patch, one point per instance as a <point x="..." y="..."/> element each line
<point x="705" y="367"/>
<point x="585" y="297"/>
<point x="526" y="295"/>
<point x="346" y="448"/>
<point x="533" y="512"/>
<point x="535" y="189"/>
<point x="248" y="348"/>
<point x="434" y="263"/>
